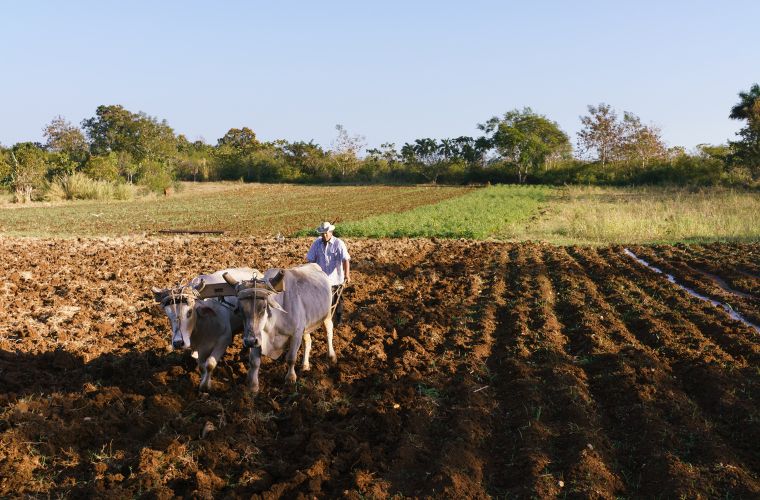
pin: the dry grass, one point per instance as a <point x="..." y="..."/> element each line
<point x="596" y="216"/>
<point x="78" y="186"/>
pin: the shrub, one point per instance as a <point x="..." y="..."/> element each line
<point x="104" y="168"/>
<point x="78" y="186"/>
<point x="156" y="176"/>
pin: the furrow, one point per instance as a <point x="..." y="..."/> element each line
<point x="701" y="325"/>
<point x="702" y="282"/>
<point x="588" y="447"/>
<point x="686" y="380"/>
<point x="521" y="456"/>
<point x="719" y="266"/>
<point x="466" y="391"/>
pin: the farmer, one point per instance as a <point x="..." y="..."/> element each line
<point x="332" y="256"/>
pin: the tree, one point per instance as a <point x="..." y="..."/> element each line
<point x="194" y="158"/>
<point x="115" y="129"/>
<point x="601" y="132"/>
<point x="127" y="166"/>
<point x="639" y="142"/>
<point x="346" y="149"/>
<point x="746" y="108"/>
<point x="240" y="139"/>
<point x="308" y="158"/>
<point x="150" y="143"/>
<point x="425" y="157"/>
<point x="526" y="139"/>
<point x="386" y="151"/>
<point x="63" y="137"/>
<point x="473" y="151"/>
<point x="719" y="152"/>
<point x="103" y="167"/>
<point x="27" y="168"/>
<point x="747" y="148"/>
<point x="380" y="163"/>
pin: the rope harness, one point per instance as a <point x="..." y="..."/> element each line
<point x="183" y="294"/>
<point x="255" y="289"/>
<point x="336" y="298"/>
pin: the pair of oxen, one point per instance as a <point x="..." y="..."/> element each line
<point x="271" y="309"/>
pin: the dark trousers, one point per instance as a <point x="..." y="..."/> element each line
<point x="339" y="308"/>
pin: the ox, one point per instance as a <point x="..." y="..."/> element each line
<point x="205" y="325"/>
<point x="286" y="305"/>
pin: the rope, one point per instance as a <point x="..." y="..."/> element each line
<point x="336" y="294"/>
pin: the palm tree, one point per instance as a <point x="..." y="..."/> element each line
<point x="743" y="110"/>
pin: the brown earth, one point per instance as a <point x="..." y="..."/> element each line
<point x="466" y="370"/>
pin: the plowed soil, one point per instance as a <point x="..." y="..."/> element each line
<point x="466" y="370"/>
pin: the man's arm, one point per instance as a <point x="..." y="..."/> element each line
<point x="347" y="270"/>
<point x="310" y="255"/>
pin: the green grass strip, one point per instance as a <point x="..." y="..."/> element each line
<point x="480" y="214"/>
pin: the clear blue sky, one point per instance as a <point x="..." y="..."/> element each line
<point x="391" y="71"/>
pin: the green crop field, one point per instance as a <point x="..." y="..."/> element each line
<point x="493" y="212"/>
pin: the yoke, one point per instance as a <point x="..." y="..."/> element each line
<point x="214" y="286"/>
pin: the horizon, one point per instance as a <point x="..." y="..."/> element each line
<point x="390" y="72"/>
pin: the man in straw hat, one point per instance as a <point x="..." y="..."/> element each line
<point x="332" y="256"/>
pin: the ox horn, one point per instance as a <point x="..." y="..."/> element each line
<point x="278" y="282"/>
<point x="229" y="279"/>
<point x="200" y="285"/>
<point x="158" y="293"/>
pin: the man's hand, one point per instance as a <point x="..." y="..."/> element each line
<point x="347" y="271"/>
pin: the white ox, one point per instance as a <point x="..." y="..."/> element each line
<point x="286" y="305"/>
<point x="205" y="325"/>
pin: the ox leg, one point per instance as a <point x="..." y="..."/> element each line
<point x="213" y="360"/>
<point x="204" y="372"/>
<point x="330" y="350"/>
<point x="220" y="347"/>
<point x="306" y="351"/>
<point x="295" y="345"/>
<point x="254" y="362"/>
<point x="210" y="365"/>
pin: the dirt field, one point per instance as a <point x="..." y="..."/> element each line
<point x="466" y="370"/>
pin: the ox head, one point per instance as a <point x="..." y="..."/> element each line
<point x="257" y="300"/>
<point x="179" y="305"/>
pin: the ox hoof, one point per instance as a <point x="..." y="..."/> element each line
<point x="291" y="378"/>
<point x="306" y="367"/>
<point x="333" y="359"/>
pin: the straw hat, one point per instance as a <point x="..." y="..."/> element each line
<point x="325" y="228"/>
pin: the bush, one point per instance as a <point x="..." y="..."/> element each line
<point x="105" y="168"/>
<point x="156" y="176"/>
<point x="78" y="186"/>
<point x="123" y="191"/>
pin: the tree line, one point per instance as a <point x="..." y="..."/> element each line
<point x="520" y="146"/>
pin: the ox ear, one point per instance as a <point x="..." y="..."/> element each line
<point x="278" y="281"/>
<point x="205" y="311"/>
<point x="274" y="304"/>
<point x="158" y="293"/>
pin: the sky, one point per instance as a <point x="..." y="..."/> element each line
<point x="389" y="71"/>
